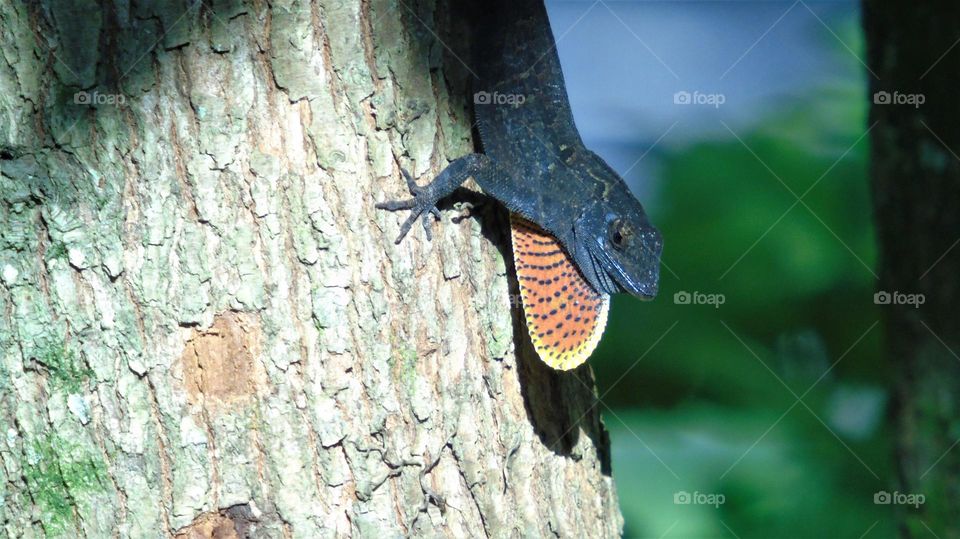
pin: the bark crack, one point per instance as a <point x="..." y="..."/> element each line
<point x="166" y="481"/>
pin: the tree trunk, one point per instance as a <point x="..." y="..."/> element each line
<point x="916" y="175"/>
<point x="205" y="326"/>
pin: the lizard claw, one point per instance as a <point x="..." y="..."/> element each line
<point x="420" y="206"/>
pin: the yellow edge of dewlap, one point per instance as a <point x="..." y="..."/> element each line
<point x="565" y="317"/>
<point x="576" y="357"/>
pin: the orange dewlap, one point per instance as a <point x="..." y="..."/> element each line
<point x="565" y="316"/>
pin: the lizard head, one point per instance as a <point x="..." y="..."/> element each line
<point x="617" y="248"/>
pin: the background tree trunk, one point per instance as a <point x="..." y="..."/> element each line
<point x="916" y="176"/>
<point x="205" y="326"/>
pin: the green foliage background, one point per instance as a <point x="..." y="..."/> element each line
<point x="704" y="399"/>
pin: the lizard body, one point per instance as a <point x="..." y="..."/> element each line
<point x="578" y="233"/>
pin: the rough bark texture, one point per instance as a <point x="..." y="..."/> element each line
<point x="916" y="178"/>
<point x="205" y="327"/>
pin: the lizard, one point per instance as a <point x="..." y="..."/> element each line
<point x="578" y="234"/>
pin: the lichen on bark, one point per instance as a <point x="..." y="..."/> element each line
<point x="205" y="324"/>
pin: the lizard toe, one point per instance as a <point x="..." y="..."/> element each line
<point x="394" y="205"/>
<point x="411" y="185"/>
<point x="421" y="212"/>
<point x="405" y="227"/>
<point x="425" y="221"/>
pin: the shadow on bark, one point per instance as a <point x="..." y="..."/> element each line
<point x="103" y="57"/>
<point x="559" y="404"/>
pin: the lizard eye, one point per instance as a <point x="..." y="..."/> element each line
<point x="619" y="234"/>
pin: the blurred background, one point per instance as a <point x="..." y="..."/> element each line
<point x="748" y="399"/>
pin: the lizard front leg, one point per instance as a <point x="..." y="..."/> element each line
<point x="424" y="201"/>
<point x="518" y="197"/>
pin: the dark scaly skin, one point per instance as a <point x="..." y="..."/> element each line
<point x="535" y="163"/>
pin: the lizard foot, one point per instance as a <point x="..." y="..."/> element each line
<point x="423" y="204"/>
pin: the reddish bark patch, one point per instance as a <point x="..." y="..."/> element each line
<point x="209" y="526"/>
<point x="235" y="522"/>
<point x="220" y="365"/>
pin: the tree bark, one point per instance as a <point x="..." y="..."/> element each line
<point x="205" y="327"/>
<point x="916" y="183"/>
